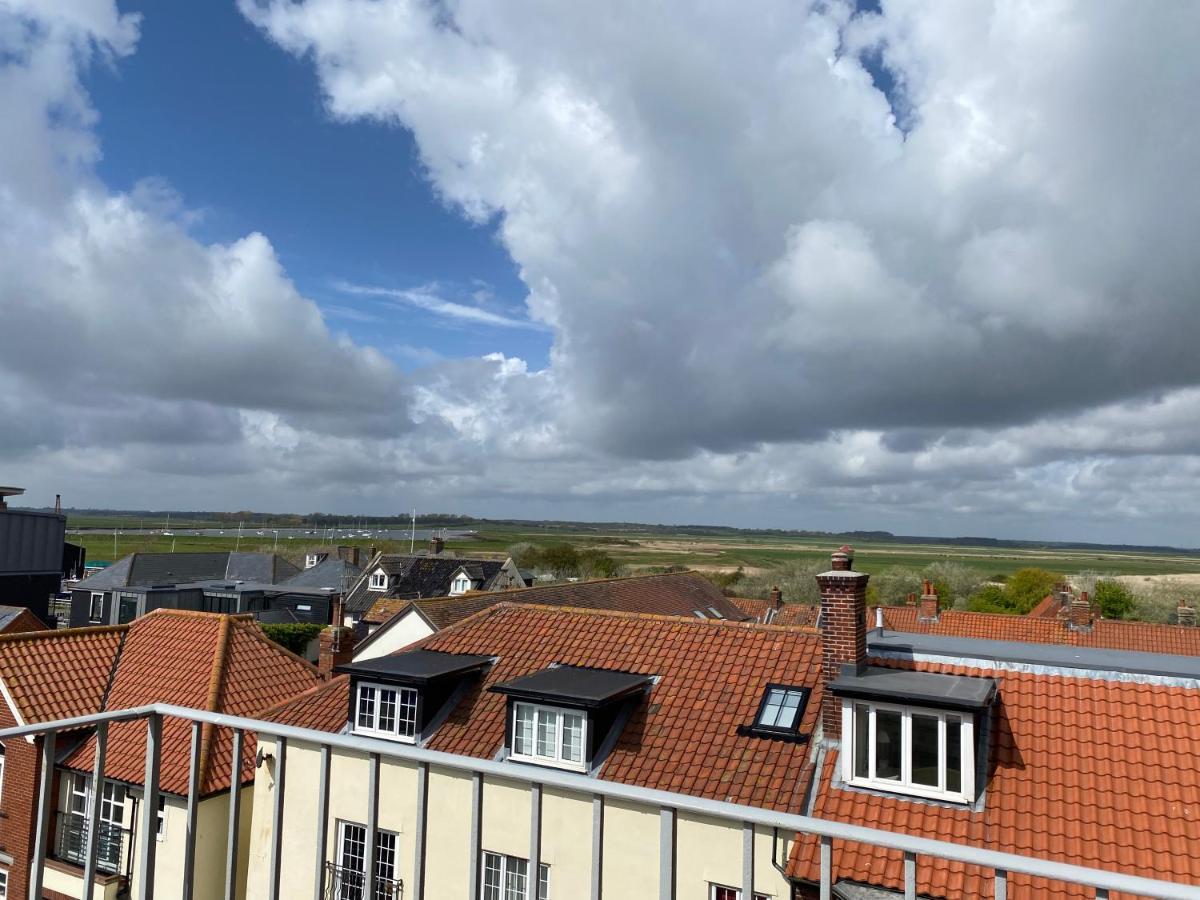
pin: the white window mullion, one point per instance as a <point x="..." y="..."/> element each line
<point x="906" y="748"/>
<point x="967" y="741"/>
<point x="871" y="744"/>
<point x="942" y="751"/>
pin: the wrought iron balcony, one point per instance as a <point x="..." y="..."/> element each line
<point x="330" y="882"/>
<point x="342" y="883"/>
<point x="111" y="843"/>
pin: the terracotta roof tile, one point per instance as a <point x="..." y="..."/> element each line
<point x="673" y="594"/>
<point x="59" y="674"/>
<point x="798" y="614"/>
<point x="1093" y="772"/>
<point x="217" y="662"/>
<point x="711" y="678"/>
<point x="1109" y="634"/>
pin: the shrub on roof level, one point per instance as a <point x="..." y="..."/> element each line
<point x="1115" y="600"/>
<point x="1028" y="587"/>
<point x="294" y="636"/>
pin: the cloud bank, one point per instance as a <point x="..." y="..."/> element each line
<point x="778" y="294"/>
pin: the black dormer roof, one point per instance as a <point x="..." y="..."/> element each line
<point x="415" y="667"/>
<point x="964" y="692"/>
<point x="575" y="686"/>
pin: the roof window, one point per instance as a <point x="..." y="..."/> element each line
<point x="378" y="581"/>
<point x="779" y="712"/>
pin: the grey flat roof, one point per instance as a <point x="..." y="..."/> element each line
<point x="922" y="688"/>
<point x="1054" y="655"/>
<point x="574" y="685"/>
<point x="416" y="666"/>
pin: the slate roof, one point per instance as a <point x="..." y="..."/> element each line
<point x="1110" y="634"/>
<point x="331" y="573"/>
<point x="217" y="662"/>
<point x="149" y="569"/>
<point x="684" y="737"/>
<point x="419" y="576"/>
<point x="1084" y="770"/>
<point x="674" y="594"/>
<point x="795" y="614"/>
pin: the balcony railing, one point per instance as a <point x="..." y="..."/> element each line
<point x="342" y="883"/>
<point x="111" y="842"/>
<point x="598" y="791"/>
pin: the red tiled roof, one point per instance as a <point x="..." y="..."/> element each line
<point x="1048" y="607"/>
<point x="795" y="614"/>
<point x="672" y="594"/>
<point x="59" y="674"/>
<point x="1094" y="772"/>
<point x="1109" y="634"/>
<point x="712" y="675"/>
<point x="201" y="660"/>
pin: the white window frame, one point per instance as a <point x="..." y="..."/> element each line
<point x="161" y="834"/>
<point x="460" y="585"/>
<point x="93" y="617"/>
<point x="3" y="884"/>
<point x="905" y="785"/>
<point x="713" y="887"/>
<point x="503" y="864"/>
<point x="387" y="864"/>
<point x="403" y="695"/>
<point x="557" y="761"/>
<point x="2" y="761"/>
<point x="378" y="581"/>
<point x="311" y="559"/>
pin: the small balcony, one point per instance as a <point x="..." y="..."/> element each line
<point x="342" y="883"/>
<point x="112" y="844"/>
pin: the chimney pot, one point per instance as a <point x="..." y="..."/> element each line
<point x="776" y="598"/>
<point x="842" y="558"/>
<point x="843" y="623"/>
<point x="1185" y="614"/>
<point x="930" y="610"/>
<point x="1079" y="615"/>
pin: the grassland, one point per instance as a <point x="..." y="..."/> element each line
<point x="640" y="550"/>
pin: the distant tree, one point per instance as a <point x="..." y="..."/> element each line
<point x="891" y="586"/>
<point x="596" y="564"/>
<point x="955" y="583"/>
<point x="523" y="553"/>
<point x="1115" y="600"/>
<point x="1027" y="587"/>
<point x="562" y="559"/>
<point x="295" y="636"/>
<point x="989" y="598"/>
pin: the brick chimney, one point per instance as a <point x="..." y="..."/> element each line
<point x="336" y="649"/>
<point x="930" y="604"/>
<point x="910" y="600"/>
<point x="776" y="601"/>
<point x="436" y="546"/>
<point x="1185" y="615"/>
<point x="350" y="555"/>
<point x="843" y="629"/>
<point x="1079" y="614"/>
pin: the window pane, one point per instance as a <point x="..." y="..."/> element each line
<point x="953" y="753"/>
<point x="925" y="750"/>
<point x="366" y="707"/>
<point x="387" y="710"/>
<point x="572" y="740"/>
<point x="408" y="713"/>
<point x="887" y="744"/>
<point x="547" y="729"/>
<point x="770" y="712"/>
<point x="862" y="741"/>
<point x="523" y="730"/>
<point x="787" y="715"/>
<point x="515" y="878"/>
<point x="543" y="883"/>
<point x="491" y="876"/>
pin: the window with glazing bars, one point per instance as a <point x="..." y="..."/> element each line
<point x="507" y="878"/>
<point x="387" y="711"/>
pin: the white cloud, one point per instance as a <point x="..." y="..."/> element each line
<point x="427" y="299"/>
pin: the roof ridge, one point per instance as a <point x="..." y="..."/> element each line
<point x="623" y="614"/>
<point x="112" y="672"/>
<point x="560" y="585"/>
<point x="62" y="632"/>
<point x="216" y="686"/>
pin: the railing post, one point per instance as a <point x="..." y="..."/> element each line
<point x="45" y="798"/>
<point x="666" y="854"/>
<point x="910" y="876"/>
<point x="193" y="807"/>
<point x="235" y="804"/>
<point x="277" y="817"/>
<point x="1000" y="885"/>
<point x="91" y="822"/>
<point x="597" y="845"/>
<point x="419" y="838"/>
<point x="826" y="867"/>
<point x="748" y="859"/>
<point x="476" y="834"/>
<point x="322" y="823"/>
<point x="535" y="834"/>
<point x="149" y="845"/>
<point x="372" y="851"/>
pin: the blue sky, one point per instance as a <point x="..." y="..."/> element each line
<point x="237" y="127"/>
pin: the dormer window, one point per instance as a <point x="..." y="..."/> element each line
<point x="311" y="560"/>
<point x="569" y="717"/>
<point x="544" y="734"/>
<point x="385" y="711"/>
<point x="378" y="580"/>
<point x="911" y="732"/>
<point x="460" y="585"/>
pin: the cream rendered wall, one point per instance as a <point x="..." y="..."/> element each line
<point x="410" y="627"/>
<point x="567" y="843"/>
<point x="709" y="851"/>
<point x="448" y="834"/>
<point x="630" y="865"/>
<point x="72" y="885"/>
<point x="506" y="817"/>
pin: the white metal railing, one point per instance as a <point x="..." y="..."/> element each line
<point x="669" y="804"/>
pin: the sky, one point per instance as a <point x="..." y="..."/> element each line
<point x="914" y="266"/>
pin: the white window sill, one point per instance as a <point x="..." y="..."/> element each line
<point x="550" y="763"/>
<point x="907" y="790"/>
<point x="382" y="735"/>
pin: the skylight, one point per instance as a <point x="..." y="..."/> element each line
<point x="779" y="712"/>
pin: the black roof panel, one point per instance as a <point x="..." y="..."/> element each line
<point x="919" y="688"/>
<point x="574" y="685"/>
<point x="416" y="666"/>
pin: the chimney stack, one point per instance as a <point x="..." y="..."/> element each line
<point x="911" y="600"/>
<point x="436" y="546"/>
<point x="930" y="605"/>
<point x="58" y="503"/>
<point x="843" y="630"/>
<point x="336" y="644"/>
<point x="776" y="601"/>
<point x="1185" y="615"/>
<point x="1079" y="615"/>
